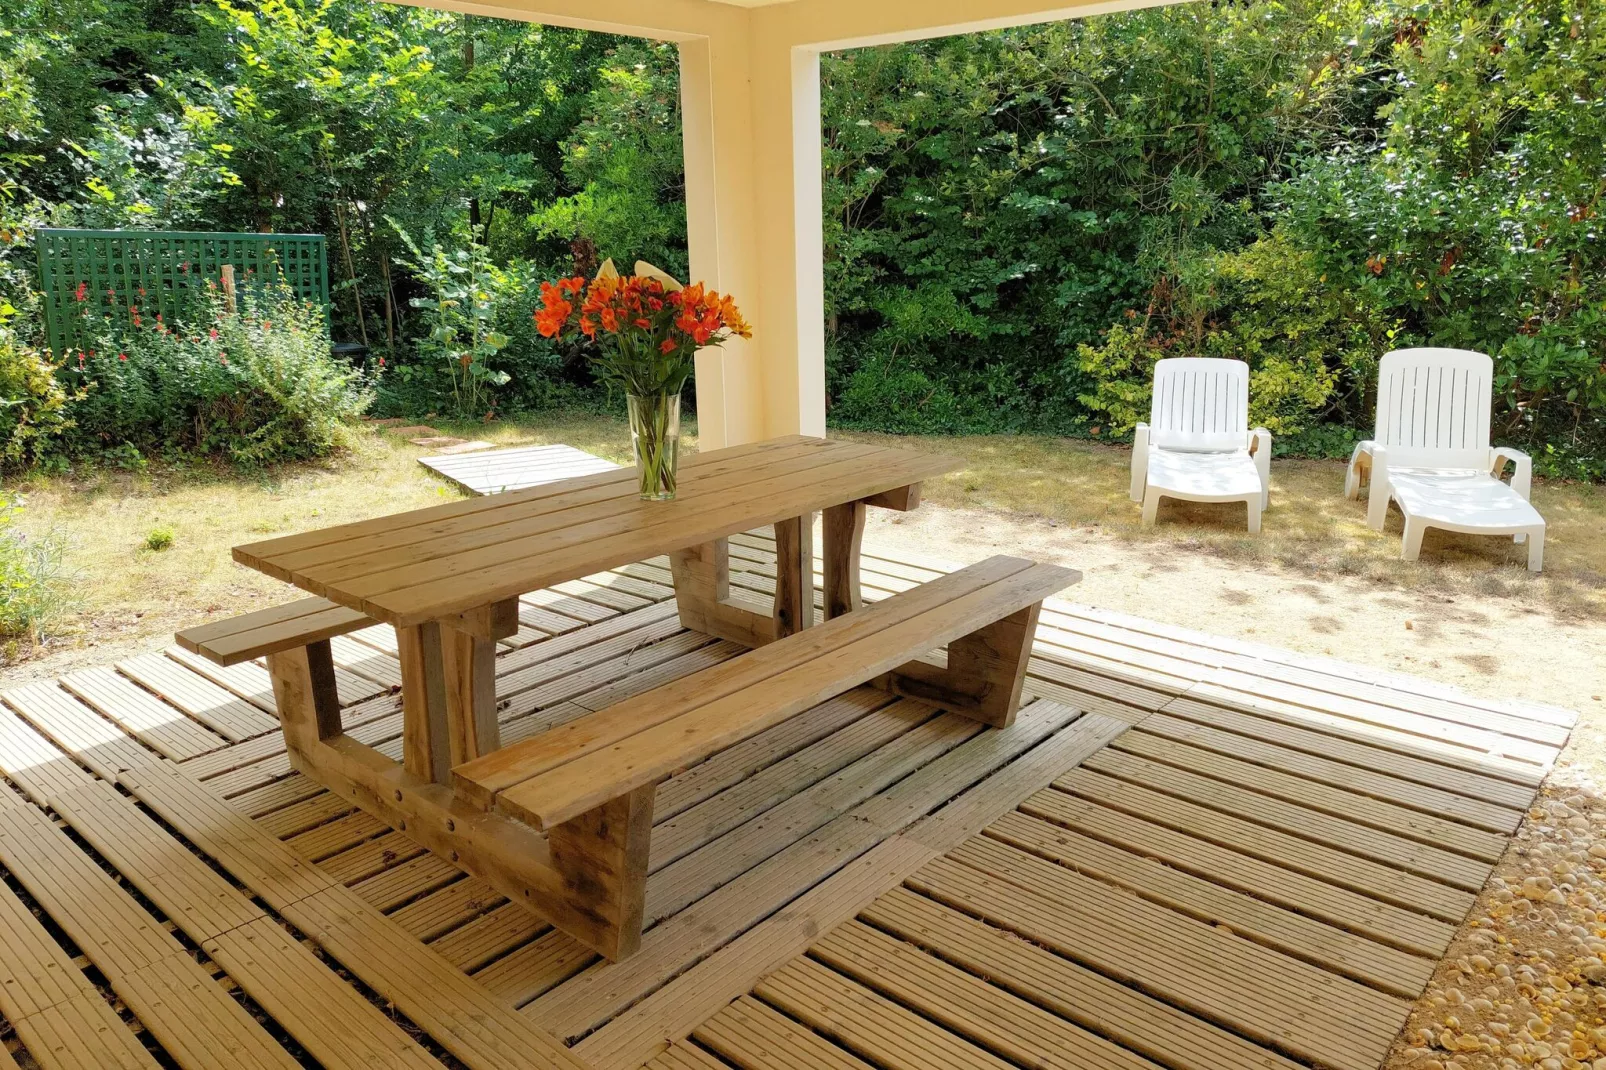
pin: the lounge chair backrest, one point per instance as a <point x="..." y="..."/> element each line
<point x="1200" y="403"/>
<point x="1433" y="408"/>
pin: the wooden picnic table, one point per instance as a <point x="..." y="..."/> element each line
<point x="448" y="577"/>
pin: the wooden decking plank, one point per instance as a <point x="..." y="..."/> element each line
<point x="964" y="1004"/>
<point x="249" y="680"/>
<point x="116" y="934"/>
<point x="697" y="657"/>
<point x="165" y="871"/>
<point x="195" y="1020"/>
<point x="216" y="707"/>
<point x="77" y="729"/>
<point x="325" y="1015"/>
<point x="733" y="765"/>
<point x="474" y="944"/>
<point x="370" y="857"/>
<point x="33" y="762"/>
<point x="1473" y="749"/>
<point x="271" y="870"/>
<point x="190" y="1015"/>
<point x="675" y="1009"/>
<point x="461" y="1015"/>
<point x="163" y="728"/>
<point x="299" y="817"/>
<point x="671" y="946"/>
<point x="1419" y="858"/>
<point x="1427" y="798"/>
<point x="82" y="1033"/>
<point x="536" y="968"/>
<point x="368" y="662"/>
<point x="1306" y="1012"/>
<point x="36" y="973"/>
<point x="767" y="788"/>
<point x="754" y="1037"/>
<point x="458" y="1014"/>
<point x="767" y="834"/>
<point x="1422" y="766"/>
<point x="1546" y="736"/>
<point x="1389" y="969"/>
<point x="1405" y="929"/>
<point x="446" y="909"/>
<point x="1335" y="802"/>
<point x="868" y="1024"/>
<point x="338" y="835"/>
<point x="1148" y="1026"/>
<point x="1388" y="883"/>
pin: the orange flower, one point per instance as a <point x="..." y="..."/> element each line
<point x="669" y="346"/>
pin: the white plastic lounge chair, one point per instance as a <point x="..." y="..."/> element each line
<point x="1431" y="454"/>
<point x="1197" y="445"/>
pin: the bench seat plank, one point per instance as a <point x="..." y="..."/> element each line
<point x="766" y="686"/>
<point x="268" y="631"/>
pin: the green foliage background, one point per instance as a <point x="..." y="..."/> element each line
<point x="1018" y="224"/>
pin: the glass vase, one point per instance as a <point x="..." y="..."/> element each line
<point x="655" y="436"/>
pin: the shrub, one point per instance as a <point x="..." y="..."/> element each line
<point x="256" y="386"/>
<point x="33" y="402"/>
<point x="34" y="580"/>
<point x="159" y="539"/>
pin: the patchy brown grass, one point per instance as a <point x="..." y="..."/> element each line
<point x="130" y="595"/>
<point x="1310" y="529"/>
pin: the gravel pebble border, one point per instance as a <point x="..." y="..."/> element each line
<point x="1524" y="982"/>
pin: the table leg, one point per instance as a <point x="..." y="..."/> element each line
<point x="794" y="575"/>
<point x="448" y="673"/>
<point x="702" y="588"/>
<point x="425" y="751"/>
<point x="843" y="530"/>
<point x="468" y="668"/>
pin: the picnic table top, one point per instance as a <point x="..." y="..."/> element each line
<point x="429" y="564"/>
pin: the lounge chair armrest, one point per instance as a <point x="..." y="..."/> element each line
<point x="1522" y="474"/>
<point x="1360" y="466"/>
<point x="1140" y="462"/>
<point x="1377" y="503"/>
<point x="1260" y="450"/>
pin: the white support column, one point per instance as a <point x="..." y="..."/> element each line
<point x="751" y="121"/>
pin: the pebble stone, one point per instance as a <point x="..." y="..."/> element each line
<point x="1524" y="983"/>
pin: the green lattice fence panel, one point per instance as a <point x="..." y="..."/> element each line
<point x="101" y="272"/>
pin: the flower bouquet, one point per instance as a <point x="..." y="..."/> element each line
<point x="645" y="330"/>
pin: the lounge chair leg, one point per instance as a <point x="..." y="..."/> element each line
<point x="1254" y="505"/>
<point x="1151" y="507"/>
<point x="1411" y="547"/>
<point x="1536" y="551"/>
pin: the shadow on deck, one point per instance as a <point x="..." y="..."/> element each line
<point x="1190" y="852"/>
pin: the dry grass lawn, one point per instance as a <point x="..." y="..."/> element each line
<point x="130" y="596"/>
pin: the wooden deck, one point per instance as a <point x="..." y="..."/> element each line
<point x="1190" y="852"/>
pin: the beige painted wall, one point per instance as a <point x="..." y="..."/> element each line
<point x="750" y="92"/>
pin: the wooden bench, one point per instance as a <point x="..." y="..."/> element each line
<point x="294" y="638"/>
<point x="589" y="783"/>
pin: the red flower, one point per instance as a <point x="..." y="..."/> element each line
<point x="669" y="346"/>
<point x="212" y="334"/>
<point x="122" y="356"/>
<point x="82" y="292"/>
<point x="644" y="324"/>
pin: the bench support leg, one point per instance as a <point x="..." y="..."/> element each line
<point x="602" y="857"/>
<point x="702" y="593"/>
<point x="509" y="855"/>
<point x="304" y="691"/>
<point x="985" y="674"/>
<point x="843" y="531"/>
